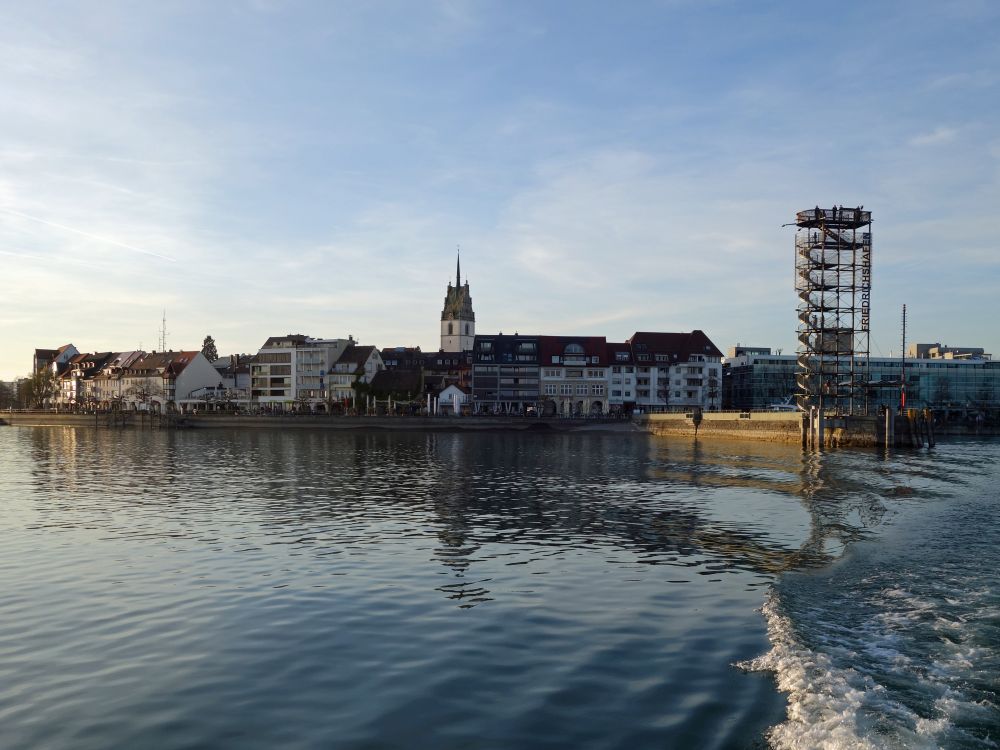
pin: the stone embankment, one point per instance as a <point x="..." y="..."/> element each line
<point x="910" y="430"/>
<point x="777" y="427"/>
<point x="426" y="424"/>
<point x="319" y="422"/>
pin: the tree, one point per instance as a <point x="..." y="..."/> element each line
<point x="209" y="350"/>
<point x="39" y="387"/>
<point x="6" y="396"/>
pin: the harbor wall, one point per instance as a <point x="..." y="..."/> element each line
<point x="777" y="427"/>
<point x="910" y="430"/>
<point x="317" y="422"/>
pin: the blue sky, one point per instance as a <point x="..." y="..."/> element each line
<point x="261" y="168"/>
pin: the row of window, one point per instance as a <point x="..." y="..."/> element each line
<point x="265" y="358"/>
<point x="554" y="373"/>
<point x="568" y="389"/>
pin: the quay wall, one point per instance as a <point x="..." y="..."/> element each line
<point x="408" y="423"/>
<point x="319" y="422"/>
<point x="47" y="419"/>
<point x="776" y="427"/>
<point x="909" y="431"/>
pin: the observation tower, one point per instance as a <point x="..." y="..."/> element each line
<point x="833" y="273"/>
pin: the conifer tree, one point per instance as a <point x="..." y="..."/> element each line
<point x="209" y="350"/>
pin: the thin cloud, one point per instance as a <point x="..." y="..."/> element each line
<point x="935" y="137"/>
<point x="88" y="235"/>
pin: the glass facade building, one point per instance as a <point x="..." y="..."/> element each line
<point x="759" y="381"/>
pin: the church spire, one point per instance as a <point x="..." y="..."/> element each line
<point x="458" y="321"/>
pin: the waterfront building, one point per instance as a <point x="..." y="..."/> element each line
<point x="573" y="376"/>
<point x="946" y="385"/>
<point x="585" y="375"/>
<point x="436" y="370"/>
<point x="55" y="359"/>
<point x="754" y="378"/>
<point x="505" y="373"/>
<point x="621" y="378"/>
<point x="444" y="368"/>
<point x="75" y="384"/>
<point x="676" y="371"/>
<point x="402" y="358"/>
<point x="458" y="321"/>
<point x="357" y="364"/>
<point x="107" y="385"/>
<point x="160" y="380"/>
<point x="294" y="372"/>
<point x="65" y="385"/>
<point x="234" y="372"/>
<point x="453" y="399"/>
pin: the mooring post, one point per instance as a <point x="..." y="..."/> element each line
<point x="890" y="426"/>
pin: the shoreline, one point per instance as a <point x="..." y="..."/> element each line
<point x="762" y="427"/>
<point x="337" y="423"/>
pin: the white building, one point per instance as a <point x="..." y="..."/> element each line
<point x="452" y="400"/>
<point x="161" y="380"/>
<point x="295" y="372"/>
<point x="676" y="371"/>
<point x="621" y="377"/>
<point x="357" y="364"/>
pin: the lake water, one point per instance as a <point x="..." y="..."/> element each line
<point x="263" y="589"/>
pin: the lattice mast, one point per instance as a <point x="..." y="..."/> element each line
<point x="833" y="262"/>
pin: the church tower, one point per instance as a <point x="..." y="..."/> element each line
<point x="458" y="322"/>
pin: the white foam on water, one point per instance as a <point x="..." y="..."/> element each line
<point x="834" y="708"/>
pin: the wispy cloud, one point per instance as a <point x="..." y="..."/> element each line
<point x="312" y="168"/>
<point x="935" y="137"/>
<point x="88" y="235"/>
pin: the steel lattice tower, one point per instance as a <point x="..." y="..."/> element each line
<point x="833" y="253"/>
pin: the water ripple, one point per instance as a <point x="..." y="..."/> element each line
<point x="312" y="590"/>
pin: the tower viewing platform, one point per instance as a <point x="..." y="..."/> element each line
<point x="844" y="218"/>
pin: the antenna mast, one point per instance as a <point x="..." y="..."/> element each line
<point x="902" y="368"/>
<point x="163" y="332"/>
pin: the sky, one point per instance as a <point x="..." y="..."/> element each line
<point x="261" y="167"/>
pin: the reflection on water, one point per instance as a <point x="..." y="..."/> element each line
<point x="681" y="504"/>
<point x="248" y="589"/>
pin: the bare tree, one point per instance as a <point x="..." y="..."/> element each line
<point x="6" y="396"/>
<point x="39" y="388"/>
